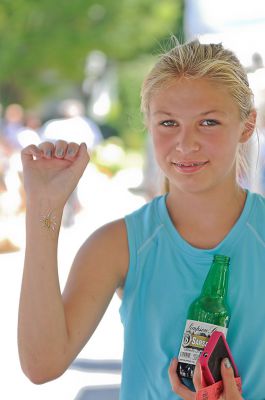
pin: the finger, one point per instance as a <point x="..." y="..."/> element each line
<point x="47" y="149"/>
<point x="197" y="377"/>
<point x="231" y="391"/>
<point x="81" y="160"/>
<point x="72" y="150"/>
<point x="177" y="385"/>
<point x="60" y="148"/>
<point x="29" y="153"/>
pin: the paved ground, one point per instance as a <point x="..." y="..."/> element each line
<point x="108" y="201"/>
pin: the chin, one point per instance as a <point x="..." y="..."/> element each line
<point x="191" y="188"/>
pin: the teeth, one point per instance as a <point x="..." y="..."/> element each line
<point x="188" y="165"/>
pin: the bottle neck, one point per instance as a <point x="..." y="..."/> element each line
<point x="216" y="282"/>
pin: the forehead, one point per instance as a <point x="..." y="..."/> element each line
<point x="187" y="94"/>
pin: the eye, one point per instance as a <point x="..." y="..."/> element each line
<point x="168" y="123"/>
<point x="209" y="122"/>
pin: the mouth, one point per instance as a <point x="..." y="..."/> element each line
<point x="192" y="166"/>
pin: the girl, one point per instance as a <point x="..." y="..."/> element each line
<point x="199" y="110"/>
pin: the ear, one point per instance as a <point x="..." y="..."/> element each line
<point x="249" y="126"/>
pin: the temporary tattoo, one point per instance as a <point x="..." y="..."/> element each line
<point x="48" y="221"/>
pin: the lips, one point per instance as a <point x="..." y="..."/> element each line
<point x="189" y="166"/>
<point x="190" y="163"/>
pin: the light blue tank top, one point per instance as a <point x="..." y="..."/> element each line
<point x="166" y="274"/>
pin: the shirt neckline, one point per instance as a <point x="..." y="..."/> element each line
<point x="228" y="241"/>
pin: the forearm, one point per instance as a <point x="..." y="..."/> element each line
<point x="42" y="329"/>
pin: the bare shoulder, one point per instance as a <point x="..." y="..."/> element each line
<point x="113" y="231"/>
<point x="108" y="246"/>
<point x="115" y="236"/>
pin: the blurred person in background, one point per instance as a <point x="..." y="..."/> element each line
<point x="12" y="123"/>
<point x="153" y="179"/>
<point x="72" y="126"/>
<point x="19" y="128"/>
<point x="7" y="243"/>
<point x="199" y="110"/>
<point x="30" y="132"/>
<point x="11" y="192"/>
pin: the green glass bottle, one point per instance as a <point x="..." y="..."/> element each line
<point x="207" y="313"/>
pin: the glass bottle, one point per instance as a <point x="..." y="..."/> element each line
<point x="207" y="313"/>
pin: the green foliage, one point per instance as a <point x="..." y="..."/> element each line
<point x="44" y="44"/>
<point x="130" y="123"/>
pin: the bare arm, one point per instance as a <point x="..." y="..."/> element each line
<point x="99" y="269"/>
<point x="52" y="328"/>
<point x="40" y="299"/>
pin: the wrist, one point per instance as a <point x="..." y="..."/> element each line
<point x="43" y="215"/>
<point x="42" y="203"/>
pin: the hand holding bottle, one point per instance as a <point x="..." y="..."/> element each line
<point x="230" y="392"/>
<point x="230" y="388"/>
<point x="53" y="170"/>
<point x="207" y="313"/>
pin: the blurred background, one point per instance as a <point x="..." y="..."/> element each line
<point x="73" y="70"/>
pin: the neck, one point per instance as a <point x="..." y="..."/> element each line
<point x="204" y="219"/>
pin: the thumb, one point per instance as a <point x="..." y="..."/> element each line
<point x="198" y="377"/>
<point x="231" y="391"/>
<point x="29" y="153"/>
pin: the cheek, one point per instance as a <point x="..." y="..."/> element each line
<point x="223" y="147"/>
<point x="162" y="143"/>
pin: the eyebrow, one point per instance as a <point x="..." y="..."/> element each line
<point x="213" y="111"/>
<point x="202" y="113"/>
<point x="163" y="112"/>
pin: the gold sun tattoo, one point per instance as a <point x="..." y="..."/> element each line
<point x="49" y="221"/>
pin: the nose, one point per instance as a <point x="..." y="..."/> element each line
<point x="187" y="141"/>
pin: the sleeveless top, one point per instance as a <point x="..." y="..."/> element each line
<point x="166" y="274"/>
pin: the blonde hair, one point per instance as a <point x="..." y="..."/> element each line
<point x="194" y="60"/>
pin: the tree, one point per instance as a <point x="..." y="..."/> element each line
<point x="44" y="46"/>
<point x="45" y="42"/>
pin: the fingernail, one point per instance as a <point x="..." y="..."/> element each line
<point x="48" y="153"/>
<point x="227" y="363"/>
<point x="70" y="152"/>
<point x="59" y="152"/>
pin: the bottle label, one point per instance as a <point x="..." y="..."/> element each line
<point x="195" y="338"/>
